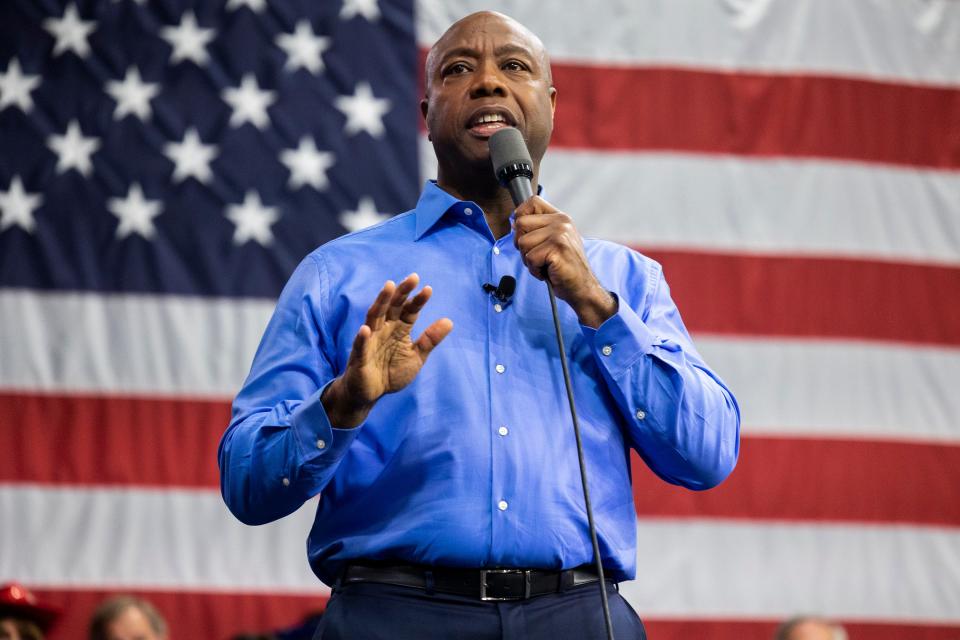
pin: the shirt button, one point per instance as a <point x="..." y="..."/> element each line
<point x="503" y="431"/>
<point x="500" y="368"/>
<point x="496" y="251"/>
<point x="497" y="308"/>
<point x="502" y="505"/>
<point x="321" y="444"/>
<point x="468" y="211"/>
<point x="607" y="350"/>
<point x="641" y="414"/>
<point x="286" y="482"/>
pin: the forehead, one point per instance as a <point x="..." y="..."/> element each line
<point x="485" y="32"/>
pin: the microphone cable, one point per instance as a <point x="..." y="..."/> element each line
<point x="514" y="170"/>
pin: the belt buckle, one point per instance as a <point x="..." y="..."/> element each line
<point x="520" y="572"/>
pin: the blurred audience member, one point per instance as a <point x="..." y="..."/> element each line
<point x="127" y="618"/>
<point x="22" y="617"/>
<point x="810" y="628"/>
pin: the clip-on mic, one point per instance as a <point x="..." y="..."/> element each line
<point x="503" y="291"/>
<point x="514" y="170"/>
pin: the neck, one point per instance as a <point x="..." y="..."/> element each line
<point x="482" y="188"/>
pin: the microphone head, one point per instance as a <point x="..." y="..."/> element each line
<point x="509" y="155"/>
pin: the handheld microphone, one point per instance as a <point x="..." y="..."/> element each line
<point x="512" y="164"/>
<point x="513" y="168"/>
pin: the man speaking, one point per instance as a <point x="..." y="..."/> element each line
<point x="434" y="424"/>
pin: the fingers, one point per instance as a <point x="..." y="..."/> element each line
<point x="378" y="309"/>
<point x="361" y="344"/>
<point x="432" y="336"/>
<point x="411" y="308"/>
<point x="399" y="297"/>
<point x="535" y="206"/>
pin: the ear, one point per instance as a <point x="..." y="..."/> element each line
<point x="553" y="99"/>
<point x="424" y="107"/>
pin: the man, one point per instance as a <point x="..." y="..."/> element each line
<point x="127" y="618"/>
<point x="431" y="473"/>
<point x="808" y="628"/>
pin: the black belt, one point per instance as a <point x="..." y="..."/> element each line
<point x="484" y="584"/>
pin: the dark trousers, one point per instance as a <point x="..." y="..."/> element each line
<point x="370" y="611"/>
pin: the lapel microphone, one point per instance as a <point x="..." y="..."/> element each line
<point x="503" y="291"/>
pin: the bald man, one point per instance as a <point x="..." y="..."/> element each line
<point x="451" y="504"/>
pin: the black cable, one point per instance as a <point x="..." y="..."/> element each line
<point x="583" y="467"/>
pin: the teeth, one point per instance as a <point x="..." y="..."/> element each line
<point x="491" y="117"/>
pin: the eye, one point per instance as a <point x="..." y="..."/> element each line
<point x="455" y="69"/>
<point x="514" y="65"/>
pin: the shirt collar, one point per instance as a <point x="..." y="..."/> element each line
<point x="434" y="202"/>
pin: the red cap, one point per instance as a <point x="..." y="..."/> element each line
<point x="16" y="601"/>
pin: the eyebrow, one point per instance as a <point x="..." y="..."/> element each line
<point x="502" y="50"/>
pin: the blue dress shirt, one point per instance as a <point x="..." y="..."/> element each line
<point x="474" y="464"/>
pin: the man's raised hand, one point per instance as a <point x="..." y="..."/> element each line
<point x="384" y="358"/>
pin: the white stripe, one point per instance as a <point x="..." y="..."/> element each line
<point x="910" y="40"/>
<point x="186" y="540"/>
<point x="840" y="388"/>
<point x="139" y="538"/>
<point x="726" y="203"/>
<point x="77" y="342"/>
<point x="785" y="386"/>
<point x="720" y="569"/>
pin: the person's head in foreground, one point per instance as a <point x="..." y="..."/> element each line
<point x="22" y="617"/>
<point x="127" y="618"/>
<point x="810" y="628"/>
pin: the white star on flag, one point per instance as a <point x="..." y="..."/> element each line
<point x="133" y="95"/>
<point x="17" y="206"/>
<point x="70" y="32"/>
<point x="252" y="219"/>
<point x="15" y="87"/>
<point x="135" y="212"/>
<point x="304" y="48"/>
<point x="249" y="102"/>
<point x="366" y="8"/>
<point x="73" y="150"/>
<point x="188" y="40"/>
<point x="365" y="215"/>
<point x="255" y="5"/>
<point x="364" y="111"/>
<point x="307" y="164"/>
<point x="191" y="157"/>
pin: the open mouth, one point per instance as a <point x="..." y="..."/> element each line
<point x="486" y="123"/>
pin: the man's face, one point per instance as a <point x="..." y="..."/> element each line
<point x="486" y="73"/>
<point x="131" y="624"/>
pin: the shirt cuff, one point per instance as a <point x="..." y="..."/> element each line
<point x="315" y="435"/>
<point x="620" y="340"/>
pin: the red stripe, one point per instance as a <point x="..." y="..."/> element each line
<point x="747" y="630"/>
<point x="814" y="297"/>
<point x="189" y="615"/>
<point x="820" y="480"/>
<point x="163" y="443"/>
<point x="221" y="615"/>
<point x="110" y="440"/>
<point x="755" y="114"/>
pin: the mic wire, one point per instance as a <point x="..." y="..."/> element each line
<point x="608" y="621"/>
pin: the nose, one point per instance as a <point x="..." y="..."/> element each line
<point x="487" y="81"/>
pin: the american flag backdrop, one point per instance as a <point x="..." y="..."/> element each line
<point x="794" y="165"/>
